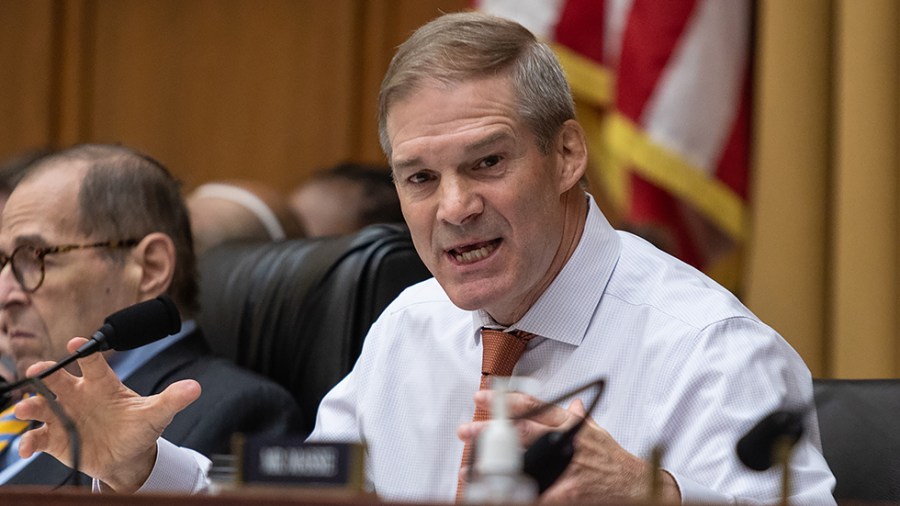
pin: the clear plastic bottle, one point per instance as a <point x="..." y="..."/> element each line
<point x="498" y="476"/>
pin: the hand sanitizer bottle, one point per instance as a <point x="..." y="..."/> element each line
<point x="498" y="476"/>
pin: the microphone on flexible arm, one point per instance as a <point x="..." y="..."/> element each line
<point x="549" y="456"/>
<point x="125" y="329"/>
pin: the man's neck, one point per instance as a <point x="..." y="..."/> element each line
<point x="575" y="211"/>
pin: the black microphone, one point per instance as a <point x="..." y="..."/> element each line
<point x="125" y="329"/>
<point x="549" y="456"/>
<point x="758" y="447"/>
<point x="135" y="326"/>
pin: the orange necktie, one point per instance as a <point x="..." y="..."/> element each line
<point x="501" y="351"/>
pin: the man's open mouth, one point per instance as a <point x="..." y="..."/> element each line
<point x="474" y="252"/>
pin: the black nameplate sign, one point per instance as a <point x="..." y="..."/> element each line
<point x="292" y="461"/>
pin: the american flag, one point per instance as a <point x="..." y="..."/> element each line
<point x="663" y="91"/>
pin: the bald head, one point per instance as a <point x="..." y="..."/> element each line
<point x="239" y="210"/>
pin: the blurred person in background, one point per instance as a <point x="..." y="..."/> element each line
<point x="345" y="198"/>
<point x="239" y="210"/>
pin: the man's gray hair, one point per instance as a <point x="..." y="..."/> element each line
<point x="470" y="45"/>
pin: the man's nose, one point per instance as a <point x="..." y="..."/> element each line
<point x="459" y="201"/>
<point x="10" y="288"/>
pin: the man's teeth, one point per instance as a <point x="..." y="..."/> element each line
<point x="473" y="255"/>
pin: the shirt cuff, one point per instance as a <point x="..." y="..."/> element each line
<point x="695" y="493"/>
<point x="176" y="469"/>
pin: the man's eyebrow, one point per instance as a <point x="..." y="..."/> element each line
<point x="488" y="141"/>
<point x="407" y="163"/>
<point x="31" y="239"/>
<point x="478" y="145"/>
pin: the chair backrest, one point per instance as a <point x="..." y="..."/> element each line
<point x="859" y="421"/>
<point x="297" y="311"/>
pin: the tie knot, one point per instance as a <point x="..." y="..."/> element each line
<point x="502" y="350"/>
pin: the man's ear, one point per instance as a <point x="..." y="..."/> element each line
<point x="155" y="258"/>
<point x="571" y="151"/>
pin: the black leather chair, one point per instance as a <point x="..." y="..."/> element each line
<point x="859" y="422"/>
<point x="297" y="311"/>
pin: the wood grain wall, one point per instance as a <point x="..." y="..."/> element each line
<point x="265" y="89"/>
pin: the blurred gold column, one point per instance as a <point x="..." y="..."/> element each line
<point x="786" y="268"/>
<point x="865" y="215"/>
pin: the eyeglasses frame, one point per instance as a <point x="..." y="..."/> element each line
<point x="41" y="252"/>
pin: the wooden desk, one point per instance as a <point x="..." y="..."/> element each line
<point x="41" y="496"/>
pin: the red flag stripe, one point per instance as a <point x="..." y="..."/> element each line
<point x="580" y="28"/>
<point x="652" y="32"/>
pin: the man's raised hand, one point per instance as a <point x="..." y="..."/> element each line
<point x="117" y="427"/>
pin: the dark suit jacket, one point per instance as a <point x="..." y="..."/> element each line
<point x="233" y="400"/>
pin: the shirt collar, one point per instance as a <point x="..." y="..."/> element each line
<point x="564" y="311"/>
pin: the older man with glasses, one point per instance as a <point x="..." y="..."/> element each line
<point x="89" y="231"/>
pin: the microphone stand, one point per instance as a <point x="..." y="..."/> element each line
<point x="654" y="490"/>
<point x="67" y="423"/>
<point x="784" y="447"/>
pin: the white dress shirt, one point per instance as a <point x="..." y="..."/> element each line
<point x="687" y="367"/>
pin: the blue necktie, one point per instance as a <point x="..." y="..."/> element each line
<point x="10" y="428"/>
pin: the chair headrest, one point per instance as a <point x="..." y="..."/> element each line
<point x="297" y="311"/>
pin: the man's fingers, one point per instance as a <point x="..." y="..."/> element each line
<point x="577" y="408"/>
<point x="469" y="431"/>
<point x="32" y="408"/>
<point x="37" y="368"/>
<point x="93" y="367"/>
<point x="75" y="343"/>
<point x="520" y="405"/>
<point x="60" y="382"/>
<point x="35" y="440"/>
<point x="463" y="474"/>
<point x="561" y="492"/>
<point x="178" y="396"/>
<point x="529" y="431"/>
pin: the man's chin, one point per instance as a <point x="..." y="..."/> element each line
<point x="471" y="298"/>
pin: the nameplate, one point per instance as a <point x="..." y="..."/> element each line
<point x="291" y="461"/>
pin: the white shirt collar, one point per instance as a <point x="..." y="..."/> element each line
<point x="556" y="315"/>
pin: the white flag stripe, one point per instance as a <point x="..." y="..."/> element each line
<point x="540" y="17"/>
<point x="616" y="16"/>
<point x="694" y="104"/>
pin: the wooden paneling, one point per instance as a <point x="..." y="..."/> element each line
<point x="387" y="24"/>
<point x="270" y="89"/>
<point x="226" y="89"/>
<point x="26" y="75"/>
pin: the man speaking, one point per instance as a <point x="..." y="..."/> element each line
<point x="477" y="121"/>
